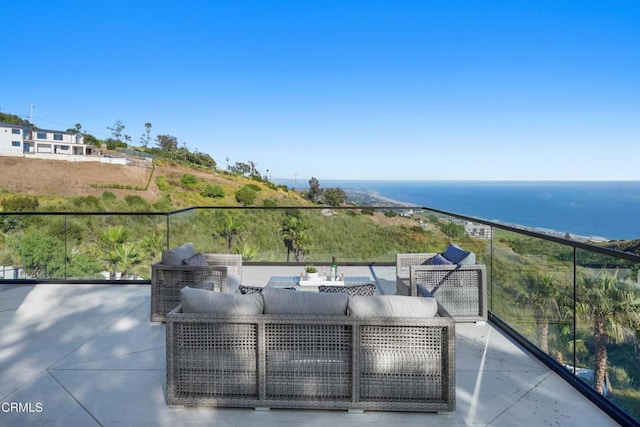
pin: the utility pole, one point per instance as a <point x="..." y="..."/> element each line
<point x="31" y="115"/>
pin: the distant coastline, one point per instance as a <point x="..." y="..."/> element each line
<point x="371" y="198"/>
<point x="595" y="211"/>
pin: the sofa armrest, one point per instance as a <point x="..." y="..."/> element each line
<point x="461" y="289"/>
<point x="167" y="280"/>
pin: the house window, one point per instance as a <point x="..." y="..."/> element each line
<point x="64" y="147"/>
<point x="15" y="131"/>
<point x="15" y="143"/>
<point x="57" y="137"/>
<point x="41" y="135"/>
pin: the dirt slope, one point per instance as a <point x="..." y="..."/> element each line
<point x="62" y="178"/>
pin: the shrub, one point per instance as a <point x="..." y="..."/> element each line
<point x="188" y="181"/>
<point x="367" y="211"/>
<point x="136" y="202"/>
<point x="268" y="203"/>
<point x="452" y="229"/>
<point x="390" y="214"/>
<point x="20" y="203"/>
<point x="162" y="183"/>
<point x="334" y="196"/>
<point x="108" y="195"/>
<point x="246" y="195"/>
<point x="213" y="191"/>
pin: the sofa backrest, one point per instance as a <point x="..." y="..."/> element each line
<point x="283" y="301"/>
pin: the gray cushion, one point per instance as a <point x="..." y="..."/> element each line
<point x="282" y="301"/>
<point x="175" y="256"/>
<point x="392" y="306"/>
<point x="203" y="301"/>
<point x="364" y="289"/>
<point x="198" y="260"/>
<point x="457" y="255"/>
<point x="233" y="282"/>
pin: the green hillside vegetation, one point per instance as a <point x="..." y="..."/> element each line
<point x="632" y="246"/>
<point x="11" y="119"/>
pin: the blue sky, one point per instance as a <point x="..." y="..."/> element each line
<point x="420" y="90"/>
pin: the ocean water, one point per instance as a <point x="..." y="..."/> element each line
<point x="605" y="209"/>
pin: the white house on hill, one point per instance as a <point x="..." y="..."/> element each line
<point x="25" y="138"/>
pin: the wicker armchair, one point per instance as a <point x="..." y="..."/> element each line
<point x="461" y="289"/>
<point x="403" y="273"/>
<point x="167" y="280"/>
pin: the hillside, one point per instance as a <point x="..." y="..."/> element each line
<point x="632" y="246"/>
<point x="52" y="178"/>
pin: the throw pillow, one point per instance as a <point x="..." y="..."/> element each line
<point x="392" y="306"/>
<point x="366" y="289"/>
<point x="195" y="300"/>
<point x="438" y="259"/>
<point x="175" y="256"/>
<point x="457" y="255"/>
<point x="282" y="301"/>
<point x="244" y="289"/>
<point x="197" y="260"/>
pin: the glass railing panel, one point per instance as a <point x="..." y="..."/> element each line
<point x="607" y="333"/>
<point x="113" y="246"/>
<point x="67" y="246"/>
<point x="32" y="247"/>
<point x="298" y="235"/>
<point x="532" y="290"/>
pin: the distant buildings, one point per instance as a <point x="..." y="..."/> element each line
<point x="27" y="139"/>
<point x="479" y="231"/>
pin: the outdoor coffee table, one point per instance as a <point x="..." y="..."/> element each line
<point x="294" y="282"/>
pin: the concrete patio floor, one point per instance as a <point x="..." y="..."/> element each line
<point x="84" y="355"/>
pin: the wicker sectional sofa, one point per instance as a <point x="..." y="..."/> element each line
<point x="367" y="353"/>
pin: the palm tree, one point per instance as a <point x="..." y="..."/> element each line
<point x="565" y="342"/>
<point x="146" y="137"/>
<point x="110" y="239"/>
<point x="541" y="295"/>
<point x="296" y="239"/>
<point x="227" y="228"/>
<point x="152" y="244"/>
<point x="128" y="256"/>
<point x="614" y="309"/>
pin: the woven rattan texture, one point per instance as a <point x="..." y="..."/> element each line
<point x="167" y="280"/>
<point x="461" y="289"/>
<point x="323" y="362"/>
